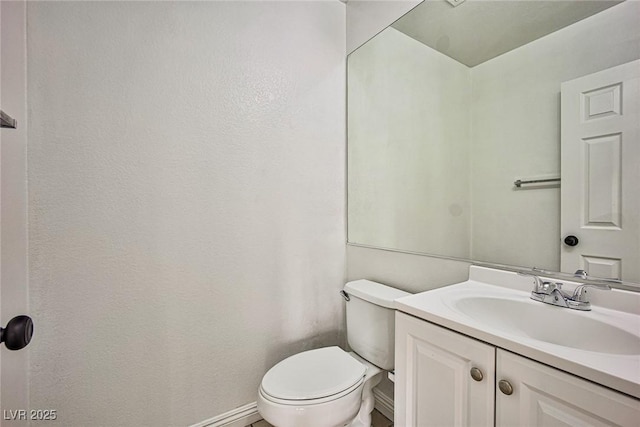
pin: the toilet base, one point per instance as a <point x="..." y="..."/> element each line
<point x="372" y="379"/>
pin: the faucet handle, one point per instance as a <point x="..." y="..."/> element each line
<point x="537" y="282"/>
<point x="580" y="294"/>
<point x="542" y="286"/>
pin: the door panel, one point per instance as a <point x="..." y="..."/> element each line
<point x="434" y="386"/>
<point x="600" y="154"/>
<point x="603" y="181"/>
<point x="602" y="267"/>
<point x="544" y="396"/>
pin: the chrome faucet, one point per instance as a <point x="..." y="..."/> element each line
<point x="581" y="295"/>
<point x="552" y="293"/>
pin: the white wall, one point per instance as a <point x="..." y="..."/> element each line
<point x="409" y="272"/>
<point x="366" y="18"/>
<point x="186" y="170"/>
<point x="516" y="132"/>
<point x="13" y="201"/>
<point x="408" y="129"/>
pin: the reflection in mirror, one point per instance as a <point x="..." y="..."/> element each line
<point x="448" y="107"/>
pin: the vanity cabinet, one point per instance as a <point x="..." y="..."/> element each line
<point x="446" y="378"/>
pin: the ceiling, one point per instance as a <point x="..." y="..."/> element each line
<point x="478" y="30"/>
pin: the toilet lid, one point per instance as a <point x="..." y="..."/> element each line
<point x="313" y="374"/>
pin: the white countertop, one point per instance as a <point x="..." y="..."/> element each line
<point x="619" y="308"/>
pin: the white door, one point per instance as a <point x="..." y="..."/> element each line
<point x="442" y="378"/>
<point x="600" y="158"/>
<point x="543" y="396"/>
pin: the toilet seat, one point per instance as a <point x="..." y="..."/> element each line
<point x="312" y="413"/>
<point x="313" y="377"/>
<point x="311" y="402"/>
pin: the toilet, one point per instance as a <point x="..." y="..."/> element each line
<point x="329" y="387"/>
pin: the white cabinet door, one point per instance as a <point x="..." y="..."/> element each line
<point x="433" y="385"/>
<point x="600" y="153"/>
<point x="544" y="396"/>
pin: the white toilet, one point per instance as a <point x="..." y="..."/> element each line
<point x="329" y="387"/>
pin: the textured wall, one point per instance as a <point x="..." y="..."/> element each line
<point x="186" y="170"/>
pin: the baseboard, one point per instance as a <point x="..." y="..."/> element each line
<point x="384" y="403"/>
<point x="239" y="417"/>
<point x="248" y="414"/>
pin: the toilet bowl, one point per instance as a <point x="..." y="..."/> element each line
<point x="329" y="387"/>
<point x="318" y="388"/>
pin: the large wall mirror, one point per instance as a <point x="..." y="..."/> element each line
<point x="503" y="132"/>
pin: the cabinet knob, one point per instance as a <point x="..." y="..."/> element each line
<point x="476" y="374"/>
<point x="505" y="387"/>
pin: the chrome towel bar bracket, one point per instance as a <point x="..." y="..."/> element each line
<point x="7" y="121"/>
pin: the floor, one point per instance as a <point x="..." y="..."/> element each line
<point x="377" y="420"/>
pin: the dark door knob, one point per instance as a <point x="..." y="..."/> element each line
<point x="18" y="333"/>
<point x="571" y="240"/>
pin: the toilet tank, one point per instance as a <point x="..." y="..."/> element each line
<point x="371" y="321"/>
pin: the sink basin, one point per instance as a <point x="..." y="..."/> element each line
<point x="543" y="322"/>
